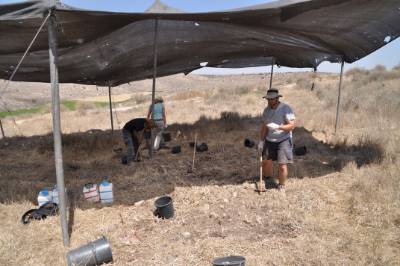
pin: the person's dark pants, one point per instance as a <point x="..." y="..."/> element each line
<point x="132" y="141"/>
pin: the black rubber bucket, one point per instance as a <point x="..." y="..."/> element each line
<point x="202" y="147"/>
<point x="167" y="136"/>
<point x="249" y="143"/>
<point x="165" y="208"/>
<point x="176" y="149"/>
<point x="230" y="261"/>
<point x="91" y="254"/>
<point x="299" y="151"/>
<point x="124" y="159"/>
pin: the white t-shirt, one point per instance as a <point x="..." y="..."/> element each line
<point x="281" y="115"/>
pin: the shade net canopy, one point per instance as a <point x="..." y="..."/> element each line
<point x="108" y="48"/>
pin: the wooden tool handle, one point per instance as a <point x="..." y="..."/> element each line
<point x="194" y="150"/>
<point x="261" y="168"/>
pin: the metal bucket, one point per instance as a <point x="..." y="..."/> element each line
<point x="229" y="261"/>
<point x="91" y="254"/>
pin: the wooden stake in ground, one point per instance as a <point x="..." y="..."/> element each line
<point x="194" y="150"/>
<point x="2" y="130"/>
<point x="191" y="170"/>
<point x="260" y="185"/>
<point x="139" y="146"/>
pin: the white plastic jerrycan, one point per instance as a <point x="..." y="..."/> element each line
<point x="106" y="192"/>
<point x="44" y="197"/>
<point x="91" y="192"/>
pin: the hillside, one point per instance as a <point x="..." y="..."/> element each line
<point x="341" y="206"/>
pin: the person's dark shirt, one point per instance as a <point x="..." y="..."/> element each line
<point x="136" y="124"/>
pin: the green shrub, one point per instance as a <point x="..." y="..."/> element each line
<point x="33" y="110"/>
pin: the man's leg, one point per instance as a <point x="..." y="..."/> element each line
<point x="267" y="168"/>
<point x="285" y="156"/>
<point x="283" y="172"/>
<point x="269" y="155"/>
<point x="127" y="136"/>
<point x="135" y="140"/>
<point x="158" y="140"/>
<point x="147" y="137"/>
<point x="161" y="133"/>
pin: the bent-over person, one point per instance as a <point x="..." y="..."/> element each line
<point x="133" y="134"/>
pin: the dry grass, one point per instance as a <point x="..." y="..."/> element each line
<point x="341" y="205"/>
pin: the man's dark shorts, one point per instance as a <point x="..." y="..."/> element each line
<point x="279" y="151"/>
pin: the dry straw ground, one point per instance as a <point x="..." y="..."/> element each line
<point x="342" y="204"/>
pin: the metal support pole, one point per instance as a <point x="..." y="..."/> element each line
<point x="111" y="112"/>
<point x="338" y="101"/>
<point x="55" y="95"/>
<point x="272" y="72"/>
<point x="2" y="130"/>
<point x="153" y="93"/>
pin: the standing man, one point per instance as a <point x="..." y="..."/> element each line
<point x="157" y="115"/>
<point x="133" y="133"/>
<point x="276" y="136"/>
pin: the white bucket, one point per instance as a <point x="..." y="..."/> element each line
<point x="91" y="192"/>
<point x="157" y="142"/>
<point x="106" y="192"/>
<point x="44" y="197"/>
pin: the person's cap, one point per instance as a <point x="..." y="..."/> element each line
<point x="272" y="94"/>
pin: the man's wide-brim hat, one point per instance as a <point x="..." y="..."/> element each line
<point x="272" y="94"/>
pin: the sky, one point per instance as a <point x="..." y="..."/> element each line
<point x="388" y="55"/>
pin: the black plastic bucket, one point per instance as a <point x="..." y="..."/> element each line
<point x="176" y="149"/>
<point x="91" y="254"/>
<point x="167" y="136"/>
<point x="202" y="147"/>
<point x="165" y="208"/>
<point x="249" y="143"/>
<point x="299" y="151"/>
<point x="229" y="261"/>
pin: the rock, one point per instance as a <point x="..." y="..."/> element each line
<point x="139" y="203"/>
<point x="213" y="215"/>
<point x="186" y="234"/>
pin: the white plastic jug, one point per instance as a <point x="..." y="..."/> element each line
<point x="106" y="192"/>
<point x="91" y="192"/>
<point x="44" y="197"/>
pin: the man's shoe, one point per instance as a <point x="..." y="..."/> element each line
<point x="281" y="187"/>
